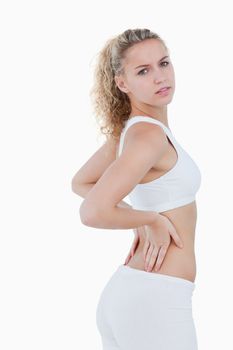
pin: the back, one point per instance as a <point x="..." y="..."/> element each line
<point x="177" y="187"/>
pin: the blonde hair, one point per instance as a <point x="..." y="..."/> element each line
<point x="111" y="106"/>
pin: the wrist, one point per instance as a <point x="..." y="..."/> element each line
<point x="154" y="220"/>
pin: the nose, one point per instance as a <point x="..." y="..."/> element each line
<point x="159" y="79"/>
<point x="159" y="76"/>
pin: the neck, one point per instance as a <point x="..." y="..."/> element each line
<point x="159" y="114"/>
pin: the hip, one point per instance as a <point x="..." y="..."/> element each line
<point x="127" y="286"/>
<point x="142" y="310"/>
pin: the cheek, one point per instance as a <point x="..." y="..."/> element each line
<point x="172" y="73"/>
<point x="143" y="88"/>
<point x="138" y="86"/>
<point x="142" y="84"/>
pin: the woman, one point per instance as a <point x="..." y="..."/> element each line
<point x="147" y="303"/>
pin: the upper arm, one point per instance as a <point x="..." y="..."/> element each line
<point x="143" y="147"/>
<point x="95" y="166"/>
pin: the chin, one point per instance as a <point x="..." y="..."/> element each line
<point x="165" y="99"/>
<point x="163" y="102"/>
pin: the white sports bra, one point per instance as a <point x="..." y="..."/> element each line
<point x="177" y="187"/>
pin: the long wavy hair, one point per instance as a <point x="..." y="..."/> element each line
<point x="111" y="106"/>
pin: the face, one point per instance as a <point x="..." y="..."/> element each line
<point x="155" y="71"/>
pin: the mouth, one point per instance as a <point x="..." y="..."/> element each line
<point x="163" y="89"/>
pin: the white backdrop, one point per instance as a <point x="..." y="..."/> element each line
<point x="53" y="268"/>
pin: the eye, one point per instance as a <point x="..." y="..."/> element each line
<point x="140" y="73"/>
<point x="165" y="62"/>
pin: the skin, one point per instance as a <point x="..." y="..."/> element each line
<point x="141" y="92"/>
<point x="141" y="88"/>
<point x="144" y="102"/>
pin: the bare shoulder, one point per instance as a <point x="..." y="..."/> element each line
<point x="143" y="147"/>
<point x="145" y="134"/>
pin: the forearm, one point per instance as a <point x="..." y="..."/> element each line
<point x="115" y="218"/>
<point x="82" y="190"/>
<point x="120" y="217"/>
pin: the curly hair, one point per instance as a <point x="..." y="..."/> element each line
<point x="111" y="106"/>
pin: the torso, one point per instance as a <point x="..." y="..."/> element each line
<point x="178" y="262"/>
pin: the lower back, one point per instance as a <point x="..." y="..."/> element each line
<point x="178" y="262"/>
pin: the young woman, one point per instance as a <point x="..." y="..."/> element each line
<point x="147" y="303"/>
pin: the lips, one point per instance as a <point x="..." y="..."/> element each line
<point x="163" y="89"/>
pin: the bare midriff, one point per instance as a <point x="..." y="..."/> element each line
<point x="178" y="262"/>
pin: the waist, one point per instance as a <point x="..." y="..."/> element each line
<point x="178" y="262"/>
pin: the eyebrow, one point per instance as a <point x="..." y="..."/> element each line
<point x="144" y="65"/>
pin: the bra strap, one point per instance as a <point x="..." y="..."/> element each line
<point x="137" y="119"/>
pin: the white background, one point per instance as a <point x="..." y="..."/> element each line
<point x="53" y="268"/>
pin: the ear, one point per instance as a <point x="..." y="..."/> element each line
<point x="121" y="84"/>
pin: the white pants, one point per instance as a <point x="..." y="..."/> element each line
<point x="140" y="310"/>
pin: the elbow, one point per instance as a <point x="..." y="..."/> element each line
<point x="74" y="186"/>
<point x="92" y="215"/>
<point x="77" y="188"/>
<point x="88" y="215"/>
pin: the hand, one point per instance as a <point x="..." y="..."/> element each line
<point x="134" y="245"/>
<point x="157" y="240"/>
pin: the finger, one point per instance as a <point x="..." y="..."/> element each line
<point x="132" y="250"/>
<point x="152" y="259"/>
<point x="161" y="254"/>
<point x="127" y="258"/>
<point x="148" y="254"/>
<point x="135" y="244"/>
<point x="176" y="237"/>
<point x="145" y="248"/>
